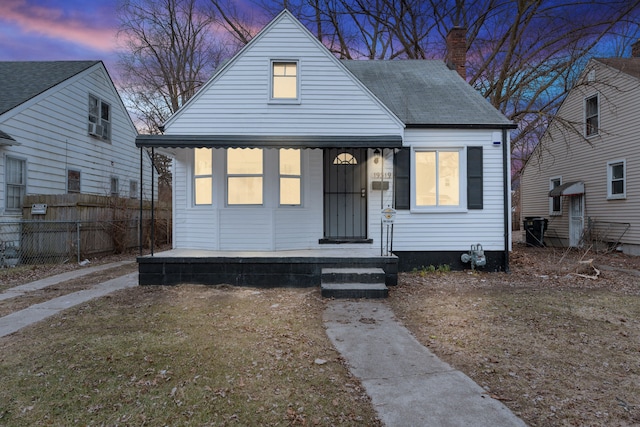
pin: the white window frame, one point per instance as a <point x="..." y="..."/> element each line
<point x="272" y="98"/>
<point x="553" y="212"/>
<point x="290" y="176"/>
<point x="245" y="175"/>
<point x="462" y="176"/>
<point x="208" y="176"/>
<point x="610" y="179"/>
<point x="99" y="126"/>
<point x="596" y="132"/>
<point x="22" y="186"/>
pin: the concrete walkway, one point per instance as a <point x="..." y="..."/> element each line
<point x="408" y="385"/>
<point x="35" y="313"/>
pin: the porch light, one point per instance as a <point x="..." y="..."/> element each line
<point x="376" y="155"/>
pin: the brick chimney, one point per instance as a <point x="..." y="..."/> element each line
<point x="456" y="57"/>
<point x="635" y="49"/>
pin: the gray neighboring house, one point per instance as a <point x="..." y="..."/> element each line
<point x="584" y="176"/>
<point x="64" y="129"/>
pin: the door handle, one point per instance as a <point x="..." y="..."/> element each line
<point x="363" y="192"/>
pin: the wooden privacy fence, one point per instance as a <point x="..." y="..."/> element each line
<point x="77" y="226"/>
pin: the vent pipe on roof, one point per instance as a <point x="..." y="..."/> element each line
<point x="456" y="57"/>
<point x="635" y="49"/>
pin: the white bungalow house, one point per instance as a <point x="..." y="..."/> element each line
<point x="63" y="131"/>
<point x="582" y="178"/>
<point x="290" y="153"/>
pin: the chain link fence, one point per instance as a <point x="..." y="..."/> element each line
<point x="55" y="242"/>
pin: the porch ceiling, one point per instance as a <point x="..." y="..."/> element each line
<point x="269" y="141"/>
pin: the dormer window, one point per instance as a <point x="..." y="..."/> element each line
<point x="284" y="80"/>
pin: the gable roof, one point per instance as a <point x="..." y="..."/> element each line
<point x="22" y="80"/>
<point x="426" y="93"/>
<point x="629" y="66"/>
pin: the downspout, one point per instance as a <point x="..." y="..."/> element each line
<point x="141" y="204"/>
<point x="507" y="214"/>
<point x="153" y="224"/>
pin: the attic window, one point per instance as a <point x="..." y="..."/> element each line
<point x="592" y="114"/>
<point x="284" y="80"/>
<point x="99" y="118"/>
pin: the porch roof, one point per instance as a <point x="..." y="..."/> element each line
<point x="568" y="189"/>
<point x="269" y="141"/>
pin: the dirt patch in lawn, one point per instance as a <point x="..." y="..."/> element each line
<point x="184" y="355"/>
<point x="557" y="339"/>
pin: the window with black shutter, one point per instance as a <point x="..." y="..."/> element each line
<point x="474" y="178"/>
<point x="402" y="178"/>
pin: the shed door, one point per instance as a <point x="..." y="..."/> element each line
<point x="576" y="220"/>
<point x="345" y="194"/>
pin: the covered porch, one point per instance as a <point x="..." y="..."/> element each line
<point x="263" y="269"/>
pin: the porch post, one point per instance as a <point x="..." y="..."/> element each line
<point x="153" y="166"/>
<point x="141" y="204"/>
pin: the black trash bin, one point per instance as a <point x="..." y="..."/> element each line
<point x="535" y="227"/>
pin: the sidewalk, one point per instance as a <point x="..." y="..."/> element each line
<point x="408" y="385"/>
<point x="35" y="313"/>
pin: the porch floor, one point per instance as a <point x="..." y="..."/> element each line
<point x="289" y="268"/>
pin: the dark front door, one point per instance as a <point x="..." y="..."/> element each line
<point x="345" y="194"/>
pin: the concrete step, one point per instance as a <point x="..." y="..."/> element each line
<point x="353" y="275"/>
<point x="354" y="290"/>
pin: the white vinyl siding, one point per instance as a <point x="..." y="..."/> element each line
<point x="331" y="100"/>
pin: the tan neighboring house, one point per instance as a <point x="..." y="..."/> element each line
<point x="584" y="176"/>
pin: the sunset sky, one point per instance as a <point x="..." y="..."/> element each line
<point x="58" y="30"/>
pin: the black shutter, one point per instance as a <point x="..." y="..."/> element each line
<point x="402" y="178"/>
<point x="474" y="178"/>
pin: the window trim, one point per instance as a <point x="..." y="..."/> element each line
<point x="610" y="165"/>
<point x="115" y="193"/>
<point x="23" y="186"/>
<point x="274" y="100"/>
<point x="202" y="176"/>
<point x="281" y="176"/>
<point x="553" y="212"/>
<point x="244" y="175"/>
<point x="69" y="191"/>
<point x="597" y="116"/>
<point x="462" y="181"/>
<point x="98" y="120"/>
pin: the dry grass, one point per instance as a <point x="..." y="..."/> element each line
<point x="187" y="355"/>
<point x="557" y="348"/>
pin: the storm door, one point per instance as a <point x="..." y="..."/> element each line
<point x="576" y="220"/>
<point x="345" y="194"/>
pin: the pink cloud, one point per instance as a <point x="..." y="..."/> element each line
<point x="85" y="29"/>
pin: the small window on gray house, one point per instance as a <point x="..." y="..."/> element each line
<point x="16" y="183"/>
<point x="99" y="118"/>
<point x="284" y="80"/>
<point x="592" y="116"/>
<point x="73" y="181"/>
<point x="115" y="192"/>
<point x="133" y="189"/>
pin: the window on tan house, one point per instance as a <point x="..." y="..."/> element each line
<point x="592" y="116"/>
<point x="290" y="177"/>
<point x="284" y="80"/>
<point x="616" y="178"/>
<point x="203" y="176"/>
<point x="555" y="203"/>
<point x="244" y="176"/>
